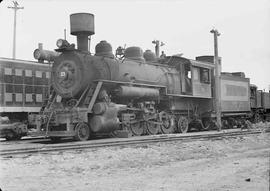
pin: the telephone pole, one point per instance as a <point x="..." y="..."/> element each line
<point x="15" y="8"/>
<point x="217" y="80"/>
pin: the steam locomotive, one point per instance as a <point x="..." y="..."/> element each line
<point x="133" y="93"/>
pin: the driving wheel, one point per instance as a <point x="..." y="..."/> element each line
<point x="136" y="129"/>
<point x="152" y="128"/>
<point x="182" y="125"/>
<point x="168" y="123"/>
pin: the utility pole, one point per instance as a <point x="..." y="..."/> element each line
<point x="65" y="34"/>
<point x="217" y="79"/>
<point x="15" y="8"/>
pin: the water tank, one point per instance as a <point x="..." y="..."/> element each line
<point x="134" y="53"/>
<point x="103" y="48"/>
<point x="82" y="23"/>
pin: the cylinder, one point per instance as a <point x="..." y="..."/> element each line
<point x="100" y="124"/>
<point x="106" y="121"/>
<point x="99" y="108"/>
<point x="137" y="92"/>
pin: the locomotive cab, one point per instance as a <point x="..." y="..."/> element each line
<point x="195" y="76"/>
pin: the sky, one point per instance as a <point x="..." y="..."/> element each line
<point x="183" y="25"/>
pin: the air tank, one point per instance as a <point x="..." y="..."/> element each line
<point x="137" y="92"/>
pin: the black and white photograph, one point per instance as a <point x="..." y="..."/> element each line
<point x="135" y="95"/>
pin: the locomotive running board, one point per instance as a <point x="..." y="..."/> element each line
<point x="154" y="86"/>
<point x="130" y="83"/>
<point x="188" y="96"/>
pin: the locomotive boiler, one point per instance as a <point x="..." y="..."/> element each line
<point x="135" y="94"/>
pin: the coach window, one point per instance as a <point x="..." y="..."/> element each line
<point x="253" y="92"/>
<point x="38" y="97"/>
<point x="28" y="73"/>
<point x="18" y="97"/>
<point x="205" y="78"/>
<point x="38" y="74"/>
<point x="47" y="75"/>
<point x="18" y="72"/>
<point x="8" y="71"/>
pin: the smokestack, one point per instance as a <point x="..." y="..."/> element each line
<point x="82" y="25"/>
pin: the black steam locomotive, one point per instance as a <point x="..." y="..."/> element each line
<point x="135" y="93"/>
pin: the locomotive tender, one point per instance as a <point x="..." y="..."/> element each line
<point x="136" y="94"/>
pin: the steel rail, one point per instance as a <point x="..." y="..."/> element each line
<point x="125" y="142"/>
<point x="23" y="139"/>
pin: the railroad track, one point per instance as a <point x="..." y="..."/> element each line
<point x="127" y="141"/>
<point x="23" y="139"/>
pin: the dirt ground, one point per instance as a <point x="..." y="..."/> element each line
<point x="238" y="164"/>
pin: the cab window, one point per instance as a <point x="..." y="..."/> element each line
<point x="196" y="74"/>
<point x="205" y="77"/>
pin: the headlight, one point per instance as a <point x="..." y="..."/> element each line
<point x="37" y="54"/>
<point x="60" y="43"/>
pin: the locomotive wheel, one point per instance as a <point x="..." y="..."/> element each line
<point x="168" y="123"/>
<point x="137" y="129"/>
<point x="232" y="123"/>
<point x="152" y="128"/>
<point x="248" y="124"/>
<point x="225" y="124"/>
<point x="257" y="118"/>
<point x="208" y="124"/>
<point x="240" y="123"/>
<point x="12" y="136"/>
<point x="182" y="124"/>
<point x="82" y="132"/>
